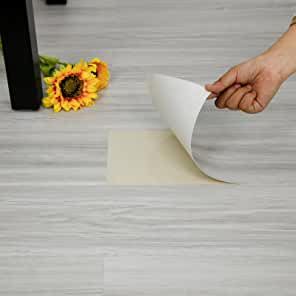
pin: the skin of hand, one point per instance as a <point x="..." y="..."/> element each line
<point x="251" y="85"/>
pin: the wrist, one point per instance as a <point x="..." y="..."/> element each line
<point x="282" y="55"/>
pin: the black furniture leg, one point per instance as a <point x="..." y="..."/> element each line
<point x="56" y="2"/>
<point x="21" y="54"/>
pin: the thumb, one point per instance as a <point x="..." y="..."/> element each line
<point x="223" y="82"/>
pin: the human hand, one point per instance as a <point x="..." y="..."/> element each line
<point x="250" y="86"/>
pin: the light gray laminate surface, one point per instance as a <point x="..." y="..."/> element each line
<point x="210" y="272"/>
<point x="53" y="194"/>
<point x="213" y="240"/>
<point x="48" y="272"/>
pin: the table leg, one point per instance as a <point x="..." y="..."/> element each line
<point x="21" y="54"/>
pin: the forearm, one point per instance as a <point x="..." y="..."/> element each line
<point x="283" y="53"/>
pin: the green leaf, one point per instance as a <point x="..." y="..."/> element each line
<point x="47" y="70"/>
<point x="49" y="60"/>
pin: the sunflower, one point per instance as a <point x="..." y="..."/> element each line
<point x="100" y="71"/>
<point x="71" y="87"/>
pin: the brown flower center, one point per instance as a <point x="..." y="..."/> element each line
<point x="71" y="86"/>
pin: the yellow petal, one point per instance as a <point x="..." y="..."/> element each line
<point x="93" y="95"/>
<point x="68" y="68"/>
<point x="74" y="104"/>
<point x="88" y="101"/>
<point x="76" y="108"/>
<point x="57" y="107"/>
<point x="47" y="103"/>
<point x="49" y="80"/>
<point x="86" y="75"/>
<point x="92" y="67"/>
<point x="66" y="106"/>
<point x="95" y="60"/>
<point x="91" y="103"/>
<point x="92" y="88"/>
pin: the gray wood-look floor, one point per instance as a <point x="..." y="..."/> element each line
<point x="59" y="220"/>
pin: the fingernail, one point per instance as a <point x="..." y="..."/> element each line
<point x="211" y="96"/>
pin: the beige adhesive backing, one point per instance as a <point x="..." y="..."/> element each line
<point x="150" y="158"/>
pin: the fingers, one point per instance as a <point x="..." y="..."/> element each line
<point x="220" y="102"/>
<point x="239" y="98"/>
<point x="231" y="97"/>
<point x="250" y="104"/>
<point x="233" y="102"/>
<point x="223" y="83"/>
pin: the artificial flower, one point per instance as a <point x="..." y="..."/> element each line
<point x="101" y="72"/>
<point x="71" y="87"/>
